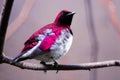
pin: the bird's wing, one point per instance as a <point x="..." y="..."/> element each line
<point x="42" y="40"/>
<point x="30" y="44"/>
<point x="47" y="38"/>
<point x="50" y="37"/>
<point x="47" y="42"/>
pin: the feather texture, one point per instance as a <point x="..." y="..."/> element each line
<point x="51" y="41"/>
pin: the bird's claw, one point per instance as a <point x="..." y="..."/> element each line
<point x="56" y="66"/>
<point x="44" y="64"/>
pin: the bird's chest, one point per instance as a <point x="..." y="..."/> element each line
<point x="59" y="48"/>
<point x="62" y="44"/>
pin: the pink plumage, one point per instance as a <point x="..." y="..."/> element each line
<point x="50" y="42"/>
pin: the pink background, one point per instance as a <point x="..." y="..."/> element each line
<point x="38" y="13"/>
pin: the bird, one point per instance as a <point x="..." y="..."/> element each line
<point x="50" y="42"/>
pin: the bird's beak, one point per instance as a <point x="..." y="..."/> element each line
<point x="71" y="13"/>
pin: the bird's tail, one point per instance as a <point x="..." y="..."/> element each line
<point x="19" y="58"/>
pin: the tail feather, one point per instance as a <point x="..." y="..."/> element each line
<point x="19" y="58"/>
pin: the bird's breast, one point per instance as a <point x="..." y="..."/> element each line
<point x="59" y="48"/>
<point x="63" y="43"/>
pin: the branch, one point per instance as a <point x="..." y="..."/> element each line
<point x="83" y="66"/>
<point x="4" y="24"/>
<point x="31" y="66"/>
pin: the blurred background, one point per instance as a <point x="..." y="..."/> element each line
<point x="96" y="28"/>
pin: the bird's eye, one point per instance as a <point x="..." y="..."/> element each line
<point x="63" y="14"/>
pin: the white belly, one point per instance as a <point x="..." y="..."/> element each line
<point x="59" y="48"/>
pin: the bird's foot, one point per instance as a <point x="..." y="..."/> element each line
<point x="44" y="64"/>
<point x="55" y="64"/>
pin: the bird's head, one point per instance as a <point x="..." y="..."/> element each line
<point x="64" y="18"/>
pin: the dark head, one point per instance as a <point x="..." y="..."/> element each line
<point x="64" y="18"/>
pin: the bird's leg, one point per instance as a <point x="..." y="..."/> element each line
<point x="44" y="64"/>
<point x="55" y="63"/>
